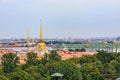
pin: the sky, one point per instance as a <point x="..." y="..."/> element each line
<point x="60" y="18"/>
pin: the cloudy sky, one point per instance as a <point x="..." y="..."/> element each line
<point x="61" y="18"/>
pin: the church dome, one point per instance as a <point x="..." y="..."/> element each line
<point x="41" y="46"/>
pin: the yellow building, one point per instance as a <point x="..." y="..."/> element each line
<point x="41" y="46"/>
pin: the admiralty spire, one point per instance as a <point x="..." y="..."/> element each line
<point x="41" y="46"/>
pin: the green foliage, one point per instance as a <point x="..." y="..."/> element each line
<point x="32" y="69"/>
<point x="74" y="60"/>
<point x="80" y="50"/>
<point x="54" y="56"/>
<point x="24" y="66"/>
<point x="29" y="78"/>
<point x="109" y="72"/>
<point x="2" y="77"/>
<point x="9" y="62"/>
<point x="1" y="71"/>
<point x="45" y="59"/>
<point x="18" y="75"/>
<point x="38" y="72"/>
<point x="116" y="65"/>
<point x="102" y="66"/>
<point x="90" y="72"/>
<point x="69" y="70"/>
<point x="31" y="58"/>
<point x="87" y="59"/>
<point x="106" y="57"/>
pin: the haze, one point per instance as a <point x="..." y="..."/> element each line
<point x="60" y="18"/>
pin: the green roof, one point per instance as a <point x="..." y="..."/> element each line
<point x="89" y="45"/>
<point x="118" y="79"/>
<point x="57" y="75"/>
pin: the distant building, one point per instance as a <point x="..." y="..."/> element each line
<point x="0" y="44"/>
<point x="41" y="47"/>
<point x="65" y="54"/>
<point x="118" y="38"/>
<point x="109" y="47"/>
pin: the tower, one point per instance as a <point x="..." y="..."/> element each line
<point x="28" y="40"/>
<point x="41" y="46"/>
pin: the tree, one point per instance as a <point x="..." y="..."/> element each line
<point x="33" y="71"/>
<point x="31" y="58"/>
<point x="54" y="56"/>
<point x="2" y="77"/>
<point x="100" y="66"/>
<point x="9" y="62"/>
<point x="83" y="50"/>
<point x="18" y="75"/>
<point x="88" y="59"/>
<point x="116" y="64"/>
<point x="39" y="72"/>
<point x="91" y="72"/>
<point x="105" y="57"/>
<point x="77" y="50"/>
<point x="68" y="69"/>
<point x="71" y="50"/>
<point x="1" y="71"/>
<point x="74" y="60"/>
<point x="44" y="60"/>
<point x="108" y="72"/>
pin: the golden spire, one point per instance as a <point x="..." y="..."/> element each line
<point x="41" y="35"/>
<point x="28" y="40"/>
<point x="41" y="46"/>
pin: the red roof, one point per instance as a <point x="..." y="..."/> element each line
<point x="70" y="54"/>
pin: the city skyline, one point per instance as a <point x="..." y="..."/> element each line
<point x="76" y="19"/>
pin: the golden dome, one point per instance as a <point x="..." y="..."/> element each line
<point x="41" y="46"/>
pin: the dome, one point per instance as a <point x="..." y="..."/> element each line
<point x="41" y="46"/>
